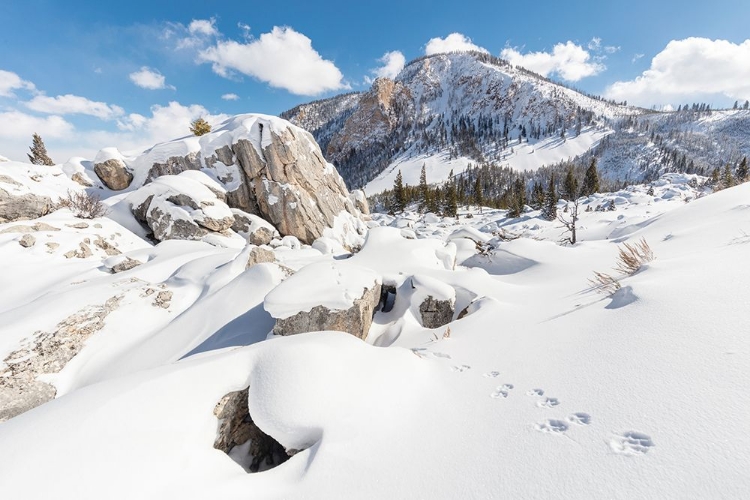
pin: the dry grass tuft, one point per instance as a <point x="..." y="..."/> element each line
<point x="632" y="257"/>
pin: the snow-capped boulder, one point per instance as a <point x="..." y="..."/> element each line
<point x="111" y="169"/>
<point x="253" y="228"/>
<point x="436" y="301"/>
<point x="325" y="296"/>
<point x="180" y="207"/>
<point x="26" y="194"/>
<point x="259" y="255"/>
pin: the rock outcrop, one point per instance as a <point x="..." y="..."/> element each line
<point x="22" y="207"/>
<point x="325" y="296"/>
<point x="264" y="166"/>
<point x="434" y="300"/>
<point x="253" y="228"/>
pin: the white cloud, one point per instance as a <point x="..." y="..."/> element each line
<point x="165" y="123"/>
<point x="230" y="97"/>
<point x="73" y="104"/>
<point x="19" y="125"/>
<point x="392" y="64"/>
<point x="636" y="57"/>
<point x="693" y="69"/>
<point x="282" y="58"/>
<point x="206" y="27"/>
<point x="148" y="78"/>
<point x="455" y="42"/>
<point x="568" y="60"/>
<point x="10" y="81"/>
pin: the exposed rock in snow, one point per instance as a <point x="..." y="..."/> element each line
<point x="253" y="228"/>
<point x="83" y="252"/>
<point x="259" y="255"/>
<point x="436" y="301"/>
<point x="180" y="207"/>
<point x="113" y="173"/>
<point x="236" y="428"/>
<point x="27" y="241"/>
<point x="125" y="265"/>
<point x="325" y="296"/>
<point x="25" y="206"/>
<point x="45" y="353"/>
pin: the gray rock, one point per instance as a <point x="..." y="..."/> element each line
<point x="27" y="241"/>
<point x="83" y="252"/>
<point x="163" y="299"/>
<point x="125" y="265"/>
<point x="236" y="427"/>
<point x="108" y="247"/>
<point x="436" y="313"/>
<point x="174" y="166"/>
<point x="81" y="179"/>
<point x="23" y="207"/>
<point x="356" y="320"/>
<point x="113" y="174"/>
<point x="259" y="255"/>
<point x="254" y="229"/>
<point x="167" y="228"/>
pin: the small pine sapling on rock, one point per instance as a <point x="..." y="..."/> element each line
<point x="200" y="127"/>
<point x="38" y="155"/>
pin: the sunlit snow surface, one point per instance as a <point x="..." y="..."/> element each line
<point x="545" y="389"/>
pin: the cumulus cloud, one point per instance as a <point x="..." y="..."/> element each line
<point x="165" y="123"/>
<point x="391" y="65"/>
<point x="20" y="125"/>
<point x="230" y="97"/>
<point x="690" y="69"/>
<point x="568" y="60"/>
<point x="10" y="81"/>
<point x="455" y="42"/>
<point x="206" y="27"/>
<point x="150" y="79"/>
<point x="282" y="58"/>
<point x="73" y="104"/>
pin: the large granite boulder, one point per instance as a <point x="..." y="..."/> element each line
<point x="267" y="167"/>
<point x="18" y="202"/>
<point x="325" y="296"/>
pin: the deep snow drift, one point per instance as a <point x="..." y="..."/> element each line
<point x="543" y="389"/>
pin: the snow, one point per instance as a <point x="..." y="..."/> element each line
<point x="543" y="389"/>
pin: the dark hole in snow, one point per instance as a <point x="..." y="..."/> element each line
<point x="242" y="440"/>
<point x="387" y="298"/>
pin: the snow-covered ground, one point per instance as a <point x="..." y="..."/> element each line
<point x="543" y="389"/>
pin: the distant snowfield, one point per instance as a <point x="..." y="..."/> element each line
<point x="545" y="389"/>
<point x="527" y="156"/>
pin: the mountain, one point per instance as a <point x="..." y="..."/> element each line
<point x="447" y="111"/>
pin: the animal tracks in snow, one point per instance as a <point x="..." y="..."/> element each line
<point x="461" y="368"/>
<point x="631" y="443"/>
<point x="548" y="402"/>
<point x="491" y="374"/>
<point x="502" y="391"/>
<point x="580" y="418"/>
<point x="535" y="392"/>
<point x="552" y="426"/>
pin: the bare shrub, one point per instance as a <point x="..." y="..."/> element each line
<point x="604" y="283"/>
<point x="84" y="205"/>
<point x="632" y="257"/>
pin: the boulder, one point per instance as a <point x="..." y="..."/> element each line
<point x="27" y="241"/>
<point x="259" y="255"/>
<point x="236" y="427"/>
<point x="253" y="228"/>
<point x="180" y="207"/>
<point x="125" y="265"/>
<point x="434" y="300"/>
<point x="23" y="207"/>
<point x="325" y="296"/>
<point x="113" y="173"/>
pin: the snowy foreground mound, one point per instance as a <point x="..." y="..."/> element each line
<point x="536" y="387"/>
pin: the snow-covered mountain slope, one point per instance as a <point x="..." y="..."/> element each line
<point x="449" y="110"/>
<point x="462" y="104"/>
<point x="543" y="389"/>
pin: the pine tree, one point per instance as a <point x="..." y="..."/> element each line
<point x="517" y="198"/>
<point x="424" y="191"/>
<point x="399" y="194"/>
<point x="727" y="179"/>
<point x="549" y="211"/>
<point x="537" y="196"/>
<point x="570" y="185"/>
<point x="590" y="180"/>
<point x="451" y="203"/>
<point x="199" y="126"/>
<point x="38" y="154"/>
<point x="742" y="171"/>
<point x="478" y="195"/>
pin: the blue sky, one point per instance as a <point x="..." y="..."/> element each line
<point x="88" y="75"/>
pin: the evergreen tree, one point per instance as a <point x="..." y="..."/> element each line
<point x="570" y="185"/>
<point x="434" y="201"/>
<point x="424" y="190"/>
<point x="517" y="199"/>
<point x="590" y="180"/>
<point x="199" y="126"/>
<point x="398" y="204"/>
<point x="451" y="203"/>
<point x="549" y="211"/>
<point x="742" y="171"/>
<point x="537" y="196"/>
<point x="727" y="179"/>
<point x="38" y="155"/>
<point x="478" y="195"/>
